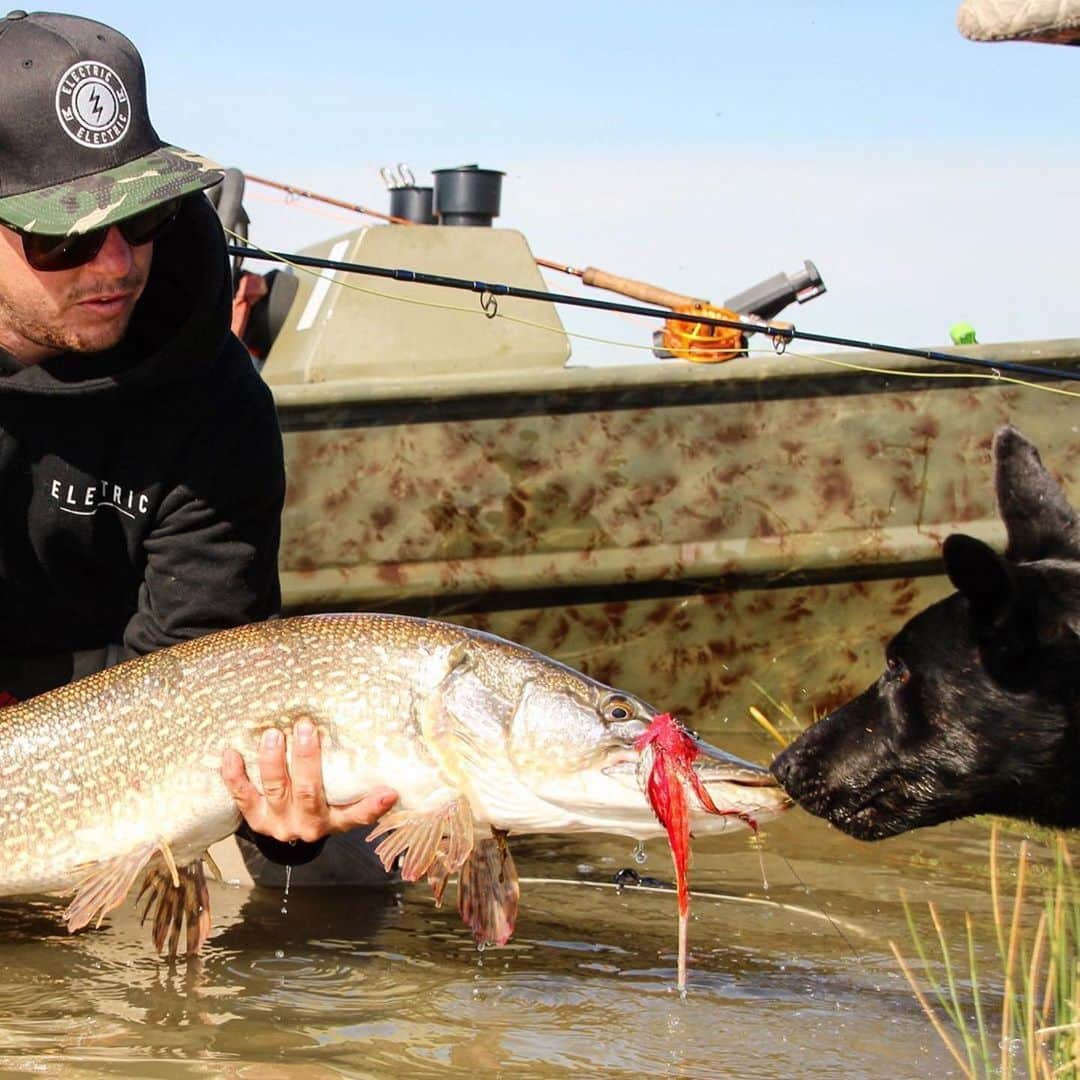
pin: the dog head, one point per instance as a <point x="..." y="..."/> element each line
<point x="978" y="709"/>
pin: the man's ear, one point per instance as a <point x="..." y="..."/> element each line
<point x="983" y="577"/>
<point x="1038" y="518"/>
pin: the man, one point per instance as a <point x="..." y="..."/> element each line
<point x="141" y="467"/>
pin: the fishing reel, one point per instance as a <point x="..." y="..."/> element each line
<point x="701" y="343"/>
<point x="685" y="339"/>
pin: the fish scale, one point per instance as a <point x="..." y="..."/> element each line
<point x="118" y="774"/>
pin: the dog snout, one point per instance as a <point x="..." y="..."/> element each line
<point x="782" y="767"/>
<point x="786" y="767"/>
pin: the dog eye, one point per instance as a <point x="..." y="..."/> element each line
<point x="896" y="671"/>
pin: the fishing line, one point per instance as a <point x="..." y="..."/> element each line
<point x="821" y="911"/>
<point x="436" y="306"/>
<point x="991" y="376"/>
<point x="780" y="335"/>
<point x="757" y="715"/>
<point x="669" y="890"/>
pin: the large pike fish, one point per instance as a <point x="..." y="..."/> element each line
<point x="118" y="774"/>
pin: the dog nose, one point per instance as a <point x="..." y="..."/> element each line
<point x="783" y="767"/>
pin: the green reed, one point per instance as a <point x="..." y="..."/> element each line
<point x="1039" y="973"/>
<point x="1039" y="964"/>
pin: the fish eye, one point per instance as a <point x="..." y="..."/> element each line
<point x="617" y="709"/>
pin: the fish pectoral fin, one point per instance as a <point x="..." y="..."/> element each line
<point x="463" y="721"/>
<point x="179" y="896"/>
<point x="441" y="838"/>
<point x="456" y="847"/>
<point x="488" y="891"/>
<point x="104" y="885"/>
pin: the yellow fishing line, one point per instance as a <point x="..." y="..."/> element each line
<point x="416" y="301"/>
<point x="991" y="376"/>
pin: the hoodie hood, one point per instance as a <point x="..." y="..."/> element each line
<point x="176" y="331"/>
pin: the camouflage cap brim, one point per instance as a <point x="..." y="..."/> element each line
<point x="104" y="198"/>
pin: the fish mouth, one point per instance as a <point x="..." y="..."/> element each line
<point x="717" y="764"/>
<point x="713" y="766"/>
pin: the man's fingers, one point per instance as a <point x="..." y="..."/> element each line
<point x="365" y="811"/>
<point x="306" y="776"/>
<point x="272" y="768"/>
<point x="243" y="791"/>
<point x="292" y="803"/>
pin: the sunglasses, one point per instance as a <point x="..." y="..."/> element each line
<point x="66" y="252"/>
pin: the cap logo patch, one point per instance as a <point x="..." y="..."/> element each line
<point x="92" y="104"/>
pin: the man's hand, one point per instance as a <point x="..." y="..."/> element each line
<point x="294" y="807"/>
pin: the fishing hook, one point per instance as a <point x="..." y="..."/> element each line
<point x="489" y="303"/>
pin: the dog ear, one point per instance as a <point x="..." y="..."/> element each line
<point x="1057" y="602"/>
<point x="983" y="577"/>
<point x="1039" y="521"/>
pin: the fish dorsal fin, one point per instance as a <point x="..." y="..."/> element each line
<point x="435" y="841"/>
<point x="488" y="891"/>
<point x="103" y="885"/>
<point x="178" y="899"/>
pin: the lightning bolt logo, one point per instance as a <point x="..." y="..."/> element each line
<point x="92" y="105"/>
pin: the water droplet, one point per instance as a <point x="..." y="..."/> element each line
<point x="285" y="895"/>
<point x="639" y="853"/>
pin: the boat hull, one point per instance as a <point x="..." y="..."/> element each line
<point x="704" y="536"/>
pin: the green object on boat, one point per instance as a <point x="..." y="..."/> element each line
<point x="962" y="333"/>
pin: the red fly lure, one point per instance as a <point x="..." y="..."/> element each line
<point x="670" y="773"/>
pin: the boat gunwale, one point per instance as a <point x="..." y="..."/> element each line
<point x="756" y="377"/>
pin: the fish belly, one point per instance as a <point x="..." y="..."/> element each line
<point x="186" y="816"/>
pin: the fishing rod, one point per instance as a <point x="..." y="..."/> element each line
<point x="305" y="193"/>
<point x="688" y="341"/>
<point x="780" y="333"/>
<point x="290" y="189"/>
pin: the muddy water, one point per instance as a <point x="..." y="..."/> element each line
<point x="353" y="983"/>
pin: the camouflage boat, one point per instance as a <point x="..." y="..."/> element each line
<point x="701" y="534"/>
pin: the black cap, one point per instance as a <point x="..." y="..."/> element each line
<point x="77" y="149"/>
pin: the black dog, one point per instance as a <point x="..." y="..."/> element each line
<point x="978" y="710"/>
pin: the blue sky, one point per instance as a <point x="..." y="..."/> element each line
<point x="701" y="146"/>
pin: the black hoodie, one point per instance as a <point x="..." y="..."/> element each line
<point x="140" y="488"/>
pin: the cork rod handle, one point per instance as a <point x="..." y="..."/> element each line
<point x="639" y="290"/>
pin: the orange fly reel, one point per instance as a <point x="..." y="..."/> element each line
<point x="700" y="342"/>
